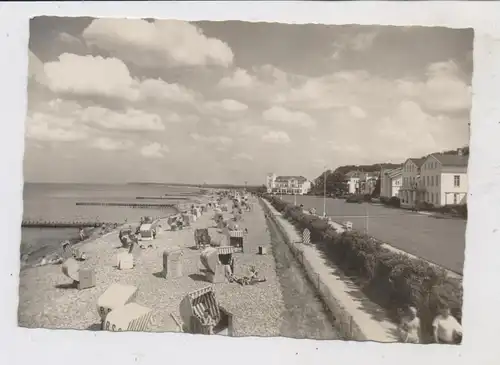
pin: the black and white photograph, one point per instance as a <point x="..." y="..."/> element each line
<point x="240" y="179"/>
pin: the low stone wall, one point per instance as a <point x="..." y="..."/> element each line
<point x="346" y="323"/>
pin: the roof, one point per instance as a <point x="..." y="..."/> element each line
<point x="417" y="161"/>
<point x="452" y="160"/>
<point x="287" y="178"/>
<point x="394" y="172"/>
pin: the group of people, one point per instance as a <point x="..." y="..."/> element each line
<point x="446" y="328"/>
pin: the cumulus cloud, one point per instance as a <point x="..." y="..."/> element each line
<point x="282" y="115"/>
<point x="278" y="137"/>
<point x="131" y="119"/>
<point x="226" y="105"/>
<point x="243" y="156"/>
<point x="48" y="128"/>
<point x="109" y="144"/>
<point x="239" y="79"/>
<point x="108" y="77"/>
<point x="157" y="43"/>
<point x="222" y="140"/>
<point x="154" y="150"/>
<point x="160" y="90"/>
<point x="443" y="91"/>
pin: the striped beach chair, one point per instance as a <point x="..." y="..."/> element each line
<point x="193" y="308"/>
<point x="237" y="239"/>
<point x="130" y="317"/>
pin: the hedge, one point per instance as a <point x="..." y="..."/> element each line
<point x="394" y="281"/>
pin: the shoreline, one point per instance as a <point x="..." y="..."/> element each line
<point x="91" y="233"/>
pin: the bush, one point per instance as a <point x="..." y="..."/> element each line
<point x="355" y="199"/>
<point x="394" y="201"/>
<point x="426" y="206"/>
<point x="395" y="279"/>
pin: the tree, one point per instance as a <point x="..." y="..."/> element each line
<point x="335" y="183"/>
<point x="376" y="191"/>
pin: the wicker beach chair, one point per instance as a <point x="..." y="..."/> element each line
<point x="172" y="262"/>
<point x="201" y="238"/>
<point x="116" y="296"/>
<point x="130" y="317"/>
<point x="215" y="261"/>
<point x="237" y="239"/>
<point x="196" y="305"/>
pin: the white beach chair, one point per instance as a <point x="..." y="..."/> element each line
<point x="116" y="296"/>
<point x="130" y="317"/>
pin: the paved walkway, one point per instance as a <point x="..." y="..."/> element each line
<point x="439" y="241"/>
<point x="365" y="320"/>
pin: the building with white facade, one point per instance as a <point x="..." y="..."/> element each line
<point x="411" y="190"/>
<point x="444" y="178"/>
<point x="352" y="181"/>
<point x="293" y="185"/>
<point x="367" y="183"/>
<point x="390" y="182"/>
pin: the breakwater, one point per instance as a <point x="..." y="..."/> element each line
<point x="163" y="197"/>
<point x="128" y="205"/>
<point x="65" y="224"/>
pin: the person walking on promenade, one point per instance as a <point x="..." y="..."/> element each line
<point x="410" y="327"/>
<point x="446" y="328"/>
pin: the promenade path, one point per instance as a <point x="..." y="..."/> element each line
<point x="439" y="241"/>
<point x="47" y="300"/>
<point x="359" y="318"/>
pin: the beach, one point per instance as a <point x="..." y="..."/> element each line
<point x="47" y="300"/>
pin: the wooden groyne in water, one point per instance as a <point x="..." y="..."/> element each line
<point x="66" y="224"/>
<point x="163" y="197"/>
<point x="128" y="205"/>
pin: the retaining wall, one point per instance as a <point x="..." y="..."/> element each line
<point x="346" y="319"/>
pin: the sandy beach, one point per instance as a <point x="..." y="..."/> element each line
<point x="47" y="299"/>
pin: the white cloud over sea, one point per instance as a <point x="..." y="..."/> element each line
<point x="230" y="101"/>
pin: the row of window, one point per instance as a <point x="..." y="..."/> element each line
<point x="429" y="165"/>
<point x="430" y="180"/>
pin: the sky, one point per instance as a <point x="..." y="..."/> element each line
<point x="122" y="100"/>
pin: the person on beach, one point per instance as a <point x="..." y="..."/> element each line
<point x="446" y="328"/>
<point x="81" y="234"/>
<point x="410" y="327"/>
<point x="208" y="322"/>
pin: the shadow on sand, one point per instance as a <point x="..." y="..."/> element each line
<point x="198" y="277"/>
<point x="67" y="286"/>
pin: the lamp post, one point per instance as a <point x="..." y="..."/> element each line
<point x="324" y="194"/>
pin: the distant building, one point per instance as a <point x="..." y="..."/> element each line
<point x="444" y="179"/>
<point x="352" y="181"/>
<point x="293" y="185"/>
<point x="390" y="182"/>
<point x="411" y="191"/>
<point x="367" y="183"/>
<point x="359" y="182"/>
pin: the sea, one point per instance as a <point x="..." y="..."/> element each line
<point x="57" y="202"/>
